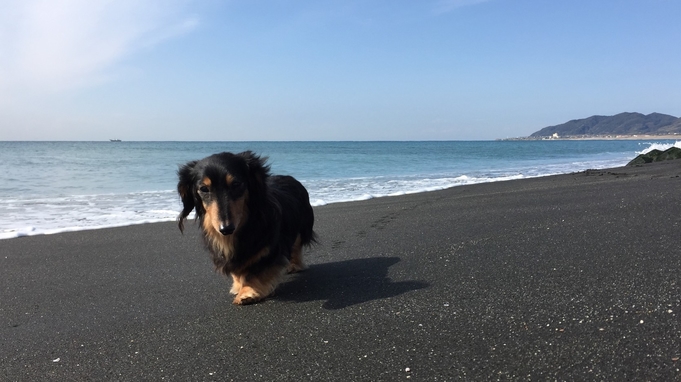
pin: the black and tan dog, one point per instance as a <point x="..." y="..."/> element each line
<point x="254" y="224"/>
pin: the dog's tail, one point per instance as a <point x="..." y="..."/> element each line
<point x="307" y="233"/>
<point x="308" y="238"/>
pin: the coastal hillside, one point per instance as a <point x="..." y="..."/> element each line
<point x="620" y="124"/>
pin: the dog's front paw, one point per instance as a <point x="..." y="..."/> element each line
<point x="246" y="296"/>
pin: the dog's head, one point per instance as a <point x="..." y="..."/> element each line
<point x="219" y="188"/>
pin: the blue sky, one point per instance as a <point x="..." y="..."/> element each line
<point x="329" y="69"/>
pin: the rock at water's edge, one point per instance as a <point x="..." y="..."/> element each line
<point x="656" y="156"/>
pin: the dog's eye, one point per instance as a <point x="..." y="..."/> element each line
<point x="235" y="184"/>
<point x="204" y="189"/>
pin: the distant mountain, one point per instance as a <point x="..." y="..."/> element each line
<point x="620" y="124"/>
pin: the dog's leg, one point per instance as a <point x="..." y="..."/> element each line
<point x="237" y="282"/>
<point x="296" y="263"/>
<point x="256" y="287"/>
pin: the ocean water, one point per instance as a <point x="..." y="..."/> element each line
<point x="50" y="187"/>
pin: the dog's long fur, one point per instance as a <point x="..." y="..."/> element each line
<point x="254" y="224"/>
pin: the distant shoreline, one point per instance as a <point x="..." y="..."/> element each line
<point x="597" y="138"/>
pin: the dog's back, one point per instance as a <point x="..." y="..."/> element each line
<point x="296" y="211"/>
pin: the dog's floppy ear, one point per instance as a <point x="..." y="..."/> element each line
<point x="185" y="187"/>
<point x="258" y="171"/>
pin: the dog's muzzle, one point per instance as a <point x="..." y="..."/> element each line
<point x="226" y="229"/>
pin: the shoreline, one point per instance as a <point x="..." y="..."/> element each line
<point x="15" y="234"/>
<point x="569" y="277"/>
<point x="34" y="210"/>
<point x="30" y="231"/>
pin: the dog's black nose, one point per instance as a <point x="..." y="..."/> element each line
<point x="226" y="229"/>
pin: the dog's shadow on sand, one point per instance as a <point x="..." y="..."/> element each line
<point x="345" y="283"/>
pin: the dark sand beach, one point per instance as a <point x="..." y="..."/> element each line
<point x="569" y="277"/>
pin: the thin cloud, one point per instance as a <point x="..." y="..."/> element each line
<point x="48" y="46"/>
<point x="444" y="6"/>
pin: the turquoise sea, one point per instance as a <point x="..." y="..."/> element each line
<point x="49" y="187"/>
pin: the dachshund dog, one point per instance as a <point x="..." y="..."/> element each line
<point x="254" y="224"/>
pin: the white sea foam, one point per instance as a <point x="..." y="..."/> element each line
<point x="36" y="216"/>
<point x="659" y="146"/>
<point x="340" y="191"/>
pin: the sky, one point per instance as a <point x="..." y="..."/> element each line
<point x="234" y="70"/>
